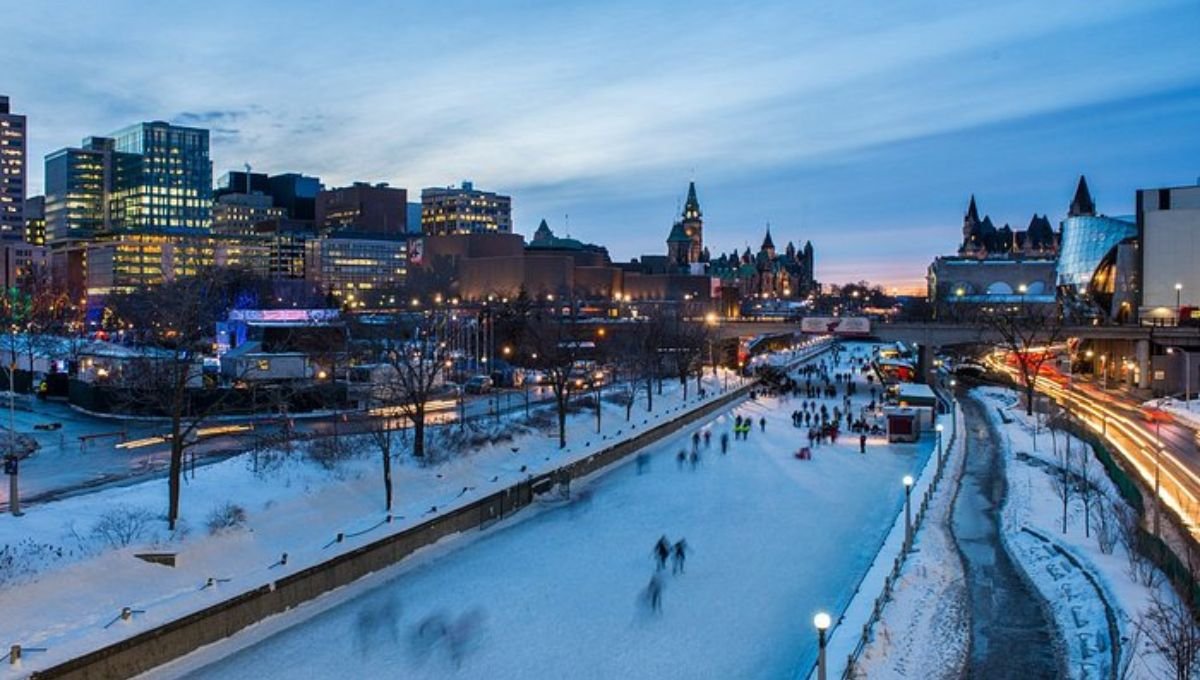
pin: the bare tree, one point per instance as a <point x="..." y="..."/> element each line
<point x="553" y="348"/>
<point x="383" y="434"/>
<point x="683" y="346"/>
<point x="1170" y="627"/>
<point x="1105" y="523"/>
<point x="1027" y="331"/>
<point x="413" y="354"/>
<point x="173" y="324"/>
<point x="1062" y="479"/>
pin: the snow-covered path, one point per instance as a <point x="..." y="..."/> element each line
<point x="774" y="540"/>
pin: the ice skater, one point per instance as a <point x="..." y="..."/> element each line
<point x="762" y="424"/>
<point x="662" y="550"/>
<point x="654" y="593"/>
<point x="724" y="442"/>
<point x="681" y="458"/>
<point x="862" y="443"/>
<point x="678" y="556"/>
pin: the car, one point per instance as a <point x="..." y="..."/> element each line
<point x="478" y="384"/>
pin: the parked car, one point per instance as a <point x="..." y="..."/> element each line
<point x="478" y="384"/>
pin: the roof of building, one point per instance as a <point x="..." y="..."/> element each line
<point x="767" y="242"/>
<point x="1082" y="203"/>
<point x="678" y="234"/>
<point x="692" y="205"/>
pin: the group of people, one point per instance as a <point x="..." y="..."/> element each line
<point x="743" y="426"/>
<point x="665" y="550"/>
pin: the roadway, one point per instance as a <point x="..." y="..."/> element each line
<point x="90" y="452"/>
<point x="1153" y="443"/>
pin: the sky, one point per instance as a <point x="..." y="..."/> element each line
<point x="862" y="129"/>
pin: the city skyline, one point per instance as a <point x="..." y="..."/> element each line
<point x="834" y="126"/>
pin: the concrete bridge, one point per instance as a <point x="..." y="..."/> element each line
<point x="1135" y="354"/>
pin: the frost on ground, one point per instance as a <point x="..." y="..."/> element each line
<point x="1099" y="591"/>
<point x="563" y="592"/>
<point x="924" y="630"/>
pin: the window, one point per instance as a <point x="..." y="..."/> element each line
<point x="264" y="364"/>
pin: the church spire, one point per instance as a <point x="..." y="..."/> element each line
<point x="972" y="212"/>
<point x="691" y="208"/>
<point x="1082" y="204"/>
<point x="767" y="243"/>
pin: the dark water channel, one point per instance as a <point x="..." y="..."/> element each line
<point x="1011" y="636"/>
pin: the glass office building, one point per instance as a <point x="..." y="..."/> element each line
<point x="1086" y="240"/>
<point x="162" y="178"/>
<point x="1086" y="276"/>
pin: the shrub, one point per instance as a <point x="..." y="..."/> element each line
<point x="122" y="525"/>
<point x="226" y="517"/>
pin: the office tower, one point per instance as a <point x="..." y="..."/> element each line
<point x="12" y="172"/>
<point x="364" y="208"/>
<point x="465" y="210"/>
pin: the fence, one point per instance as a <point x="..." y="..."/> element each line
<point x="154" y="647"/>
<point x="945" y="452"/>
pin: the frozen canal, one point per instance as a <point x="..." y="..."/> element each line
<point x="559" y="592"/>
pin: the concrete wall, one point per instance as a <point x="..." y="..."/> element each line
<point x="157" y="646"/>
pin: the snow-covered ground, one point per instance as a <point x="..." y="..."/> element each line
<point x="1087" y="589"/>
<point x="924" y="630"/>
<point x="67" y="582"/>
<point x="560" y="593"/>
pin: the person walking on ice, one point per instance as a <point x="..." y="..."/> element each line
<point x="678" y="556"/>
<point x="654" y="593"/>
<point x="762" y="424"/>
<point x="662" y="550"/>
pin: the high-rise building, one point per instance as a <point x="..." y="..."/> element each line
<point x="375" y="209"/>
<point x="296" y="194"/>
<point x="238" y="182"/>
<point x="465" y="210"/>
<point x="12" y="172"/>
<point x="148" y="177"/>
<point x="35" y="220"/>
<point x="237" y="213"/>
<point x="162" y="178"/>
<point x="77" y="191"/>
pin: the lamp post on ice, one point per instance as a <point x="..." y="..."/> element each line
<point x="822" y="622"/>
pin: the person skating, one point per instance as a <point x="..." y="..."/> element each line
<point x="707" y="438"/>
<point x="862" y="443"/>
<point x="681" y="458"/>
<point x="724" y="442"/>
<point x="695" y="441"/>
<point x="654" y="593"/>
<point x="762" y="424"/>
<point x="678" y="556"/>
<point x="662" y="550"/>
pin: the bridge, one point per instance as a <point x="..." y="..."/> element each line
<point x="1126" y="350"/>
<point x="945" y="334"/>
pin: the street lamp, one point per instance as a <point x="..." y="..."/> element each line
<point x="822" y="621"/>
<point x="1178" y="293"/>
<point x="1187" y="377"/>
<point x="908" y="485"/>
<point x="939" y="429"/>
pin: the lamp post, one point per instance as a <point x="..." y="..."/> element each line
<point x="1187" y="375"/>
<point x="908" y="485"/>
<point x="1178" y="295"/>
<point x="822" y="621"/>
<point x="939" y="429"/>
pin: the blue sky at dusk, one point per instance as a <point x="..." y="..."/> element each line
<point x="863" y="129"/>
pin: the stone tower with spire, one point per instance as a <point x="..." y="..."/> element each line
<point x="1082" y="205"/>
<point x="693" y="224"/>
